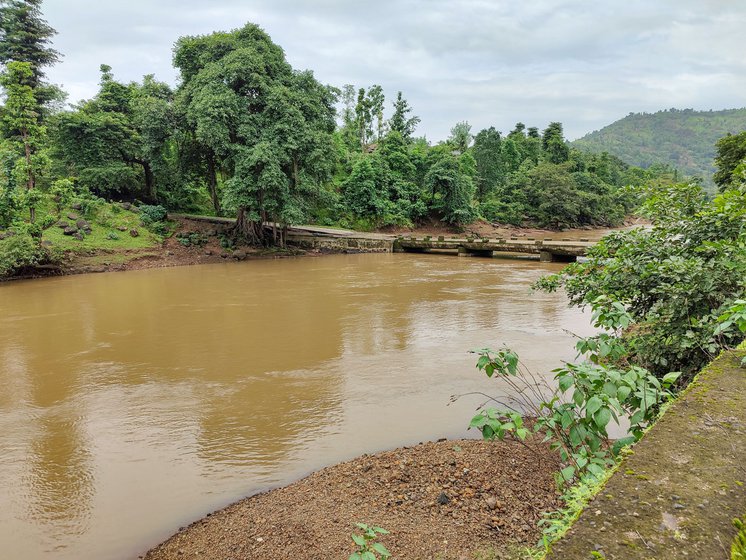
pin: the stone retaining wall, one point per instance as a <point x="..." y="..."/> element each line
<point x="676" y="495"/>
<point x="348" y="244"/>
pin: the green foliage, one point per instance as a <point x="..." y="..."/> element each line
<point x="555" y="524"/>
<point x="730" y="159"/>
<point x="738" y="547"/>
<point x="191" y="239"/>
<point x="266" y="126"/>
<point x="675" y="280"/>
<point x="400" y="121"/>
<point x="452" y="191"/>
<point x="25" y="37"/>
<point x="367" y="547"/>
<point x="575" y="427"/>
<point x="152" y="214"/>
<point x="22" y="252"/>
<point x="684" y="139"/>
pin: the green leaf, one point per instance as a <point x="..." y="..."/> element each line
<point x="594" y="403"/>
<point x="567" y="473"/>
<point x="602" y="417"/>
<point x="380" y="549"/>
<point x="565" y="382"/>
<point x="610" y="389"/>
<point x="359" y="540"/>
<point x="623" y="392"/>
<point x="670" y="378"/>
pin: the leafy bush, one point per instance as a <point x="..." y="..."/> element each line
<point x="675" y="280"/>
<point x="576" y="427"/>
<point x="21" y="252"/>
<point x="152" y="214"/>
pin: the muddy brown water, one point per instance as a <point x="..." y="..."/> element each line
<point x="133" y="403"/>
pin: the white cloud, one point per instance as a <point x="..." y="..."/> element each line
<point x="583" y="62"/>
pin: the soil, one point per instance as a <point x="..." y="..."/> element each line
<point x="450" y="500"/>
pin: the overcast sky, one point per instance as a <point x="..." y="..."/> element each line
<point x="585" y="63"/>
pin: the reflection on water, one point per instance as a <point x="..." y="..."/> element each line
<point x="134" y="403"/>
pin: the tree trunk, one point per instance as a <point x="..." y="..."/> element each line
<point x="149" y="182"/>
<point x="31" y="180"/>
<point x="212" y="183"/>
<point x="251" y="231"/>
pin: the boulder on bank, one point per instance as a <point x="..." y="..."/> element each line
<point x="70" y="230"/>
<point x="134" y="233"/>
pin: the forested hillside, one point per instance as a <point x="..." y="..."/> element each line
<point x="684" y="139"/>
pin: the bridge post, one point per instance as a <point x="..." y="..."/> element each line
<point x="546" y="256"/>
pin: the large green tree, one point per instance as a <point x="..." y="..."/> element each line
<point x="268" y="127"/>
<point x="731" y="155"/>
<point x="486" y="151"/>
<point x="19" y="119"/>
<point x="117" y="143"/>
<point x="400" y="121"/>
<point x="26" y="37"/>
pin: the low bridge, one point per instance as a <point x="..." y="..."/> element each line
<point x="549" y="250"/>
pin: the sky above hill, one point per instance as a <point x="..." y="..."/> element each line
<point x="585" y="63"/>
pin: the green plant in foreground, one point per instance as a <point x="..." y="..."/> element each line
<point x="735" y="315"/>
<point x="598" y="393"/>
<point x="367" y="546"/>
<point x="738" y="548"/>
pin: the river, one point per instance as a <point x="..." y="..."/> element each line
<point x="133" y="403"/>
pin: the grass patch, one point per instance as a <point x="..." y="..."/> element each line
<point x="104" y="219"/>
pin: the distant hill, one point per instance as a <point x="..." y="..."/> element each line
<point x="683" y="138"/>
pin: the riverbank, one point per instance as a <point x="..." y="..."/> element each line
<point x="451" y="500"/>
<point x="174" y="252"/>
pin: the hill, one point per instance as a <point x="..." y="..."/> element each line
<point x="684" y="138"/>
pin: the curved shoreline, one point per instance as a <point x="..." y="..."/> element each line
<point x="448" y="499"/>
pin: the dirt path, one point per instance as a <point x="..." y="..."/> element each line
<point x="450" y="500"/>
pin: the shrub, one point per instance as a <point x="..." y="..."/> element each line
<point x="152" y="214"/>
<point x="21" y="252"/>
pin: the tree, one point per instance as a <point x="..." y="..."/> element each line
<point x="461" y="136"/>
<point x="20" y="124"/>
<point x="25" y="37"/>
<point x="553" y="144"/>
<point x="376" y="101"/>
<point x="487" y="146"/>
<point x="268" y="127"/>
<point x="452" y="191"/>
<point x="399" y="121"/>
<point x="731" y="153"/>
<point x="117" y="142"/>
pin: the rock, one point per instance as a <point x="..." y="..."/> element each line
<point x="126" y="205"/>
<point x="208" y="252"/>
<point x="240" y="255"/>
<point x="3" y="235"/>
<point x="82" y="224"/>
<point x="46" y="243"/>
<point x="491" y="502"/>
<point x="72" y="216"/>
<point x="78" y="236"/>
<point x="134" y="233"/>
<point x="63" y="225"/>
<point x="70" y="230"/>
<point x="76" y="206"/>
<point x="443" y="499"/>
<point x="122" y="228"/>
